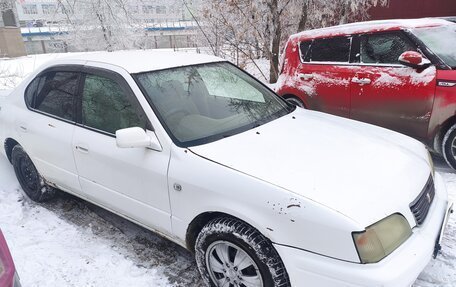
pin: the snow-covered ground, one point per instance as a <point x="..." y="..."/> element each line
<point x="68" y="242"/>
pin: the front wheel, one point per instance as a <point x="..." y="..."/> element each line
<point x="30" y="180"/>
<point x="231" y="253"/>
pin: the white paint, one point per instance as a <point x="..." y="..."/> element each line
<point x="317" y="144"/>
<point x="274" y="177"/>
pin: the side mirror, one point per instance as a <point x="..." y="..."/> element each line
<point x="414" y="60"/>
<point x="137" y="138"/>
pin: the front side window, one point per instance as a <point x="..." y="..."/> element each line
<point x="384" y="48"/>
<point x="199" y="104"/>
<point x="106" y="107"/>
<point x="55" y="94"/>
<point x="330" y="50"/>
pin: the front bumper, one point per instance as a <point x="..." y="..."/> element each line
<point x="399" y="269"/>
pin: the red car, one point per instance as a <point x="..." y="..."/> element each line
<point x="8" y="275"/>
<point x="398" y="74"/>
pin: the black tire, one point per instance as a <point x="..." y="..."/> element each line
<point x="296" y="101"/>
<point x="449" y="147"/>
<point x="246" y="238"/>
<point x="30" y="180"/>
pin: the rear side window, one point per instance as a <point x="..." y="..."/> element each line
<point x="330" y="50"/>
<point x="31" y="91"/>
<point x="304" y="48"/>
<point x="106" y="107"/>
<point x="384" y="48"/>
<point x="54" y="94"/>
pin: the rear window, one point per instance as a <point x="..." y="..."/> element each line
<point x="330" y="50"/>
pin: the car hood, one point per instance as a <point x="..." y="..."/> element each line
<point x="362" y="171"/>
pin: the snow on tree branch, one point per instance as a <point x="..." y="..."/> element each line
<point x="244" y="30"/>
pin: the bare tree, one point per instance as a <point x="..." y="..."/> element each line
<point x="102" y="24"/>
<point x="6" y="5"/>
<point x="259" y="28"/>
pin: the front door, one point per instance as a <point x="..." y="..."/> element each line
<point x="130" y="181"/>
<point x="387" y="93"/>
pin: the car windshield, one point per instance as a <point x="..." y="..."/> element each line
<point x="441" y="41"/>
<point x="202" y="103"/>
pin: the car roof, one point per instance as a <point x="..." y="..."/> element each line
<point x="138" y="61"/>
<point x="370" y="26"/>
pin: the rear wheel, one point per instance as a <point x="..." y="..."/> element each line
<point x="30" y="180"/>
<point x="233" y="254"/>
<point x="296" y="101"/>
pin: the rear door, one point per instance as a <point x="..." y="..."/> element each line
<point x="130" y="181"/>
<point x="46" y="132"/>
<point x="324" y="75"/>
<point x="387" y="93"/>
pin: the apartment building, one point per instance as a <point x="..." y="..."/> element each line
<point x="45" y="12"/>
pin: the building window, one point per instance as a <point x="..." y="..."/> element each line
<point x="30" y="9"/>
<point x="49" y="9"/>
<point x="134" y="9"/>
<point x="148" y="9"/>
<point x="161" y="9"/>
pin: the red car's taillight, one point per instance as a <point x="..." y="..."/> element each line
<point x="7" y="268"/>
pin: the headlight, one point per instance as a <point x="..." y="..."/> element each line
<point x="382" y="238"/>
<point x="431" y="163"/>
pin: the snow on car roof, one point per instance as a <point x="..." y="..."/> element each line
<point x="142" y="60"/>
<point x="371" y="26"/>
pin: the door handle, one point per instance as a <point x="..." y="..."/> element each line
<point x="362" y="81"/>
<point x="82" y="149"/>
<point x="305" y="77"/>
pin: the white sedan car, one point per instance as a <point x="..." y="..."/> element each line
<point x="195" y="149"/>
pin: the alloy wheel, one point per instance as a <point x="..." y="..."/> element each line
<point x="230" y="266"/>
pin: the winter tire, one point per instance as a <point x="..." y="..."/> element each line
<point x="30" y="180"/>
<point x="449" y="147"/>
<point x="231" y="253"/>
<point x="296" y="102"/>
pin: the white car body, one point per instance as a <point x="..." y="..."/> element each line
<point x="306" y="181"/>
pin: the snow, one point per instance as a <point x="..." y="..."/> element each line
<point x="416" y="78"/>
<point x="386" y="79"/>
<point x="259" y="69"/>
<point x="137" y="61"/>
<point x="12" y="71"/>
<point x="308" y="83"/>
<point x="370" y="26"/>
<point x="64" y="243"/>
